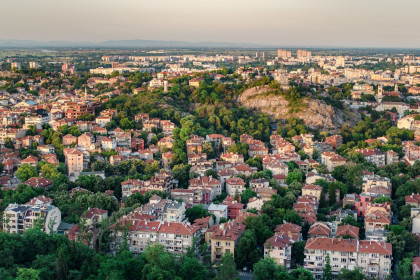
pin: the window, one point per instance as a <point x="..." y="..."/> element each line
<point x="343" y="260"/>
<point x="227" y="243"/>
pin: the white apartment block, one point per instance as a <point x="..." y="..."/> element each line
<point x="19" y="218"/>
<point x="372" y="257"/>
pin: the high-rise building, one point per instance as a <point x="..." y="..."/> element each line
<point x="34" y="64"/>
<point x="16" y="65"/>
<point x="67" y="67"/>
<point x="303" y="53"/>
<point x="284" y="53"/>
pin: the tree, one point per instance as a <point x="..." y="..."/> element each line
<point x="327" y="271"/>
<point x="298" y="253"/>
<point x="267" y="268"/>
<point x="349" y="220"/>
<point x="61" y="265"/>
<point x="301" y="274"/>
<point x="294" y="177"/>
<point x="196" y="212"/>
<point x="247" y="194"/>
<point x="28" y="274"/>
<point x="26" y="171"/>
<point x="355" y="274"/>
<point x="247" y="252"/>
<point x="123" y="266"/>
<point x="404" y="270"/>
<point x="208" y="148"/>
<point x="8" y="143"/>
<point x="322" y="168"/>
<point x="181" y="172"/>
<point x="125" y="123"/>
<point x="193" y="269"/>
<point x="227" y="269"/>
<point x="31" y="130"/>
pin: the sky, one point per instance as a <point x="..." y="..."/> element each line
<point x="282" y="23"/>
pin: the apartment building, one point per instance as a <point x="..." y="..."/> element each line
<point x="284" y="53"/>
<point x="377" y="216"/>
<point x="232" y="158"/>
<point x="174" y="237"/>
<point x="38" y="118"/>
<point x="372" y="257"/>
<point x="74" y="161"/>
<point x="332" y="160"/>
<point x="235" y="185"/>
<point x="207" y="182"/>
<point x="312" y="190"/>
<point x="280" y="249"/>
<point x="303" y="53"/>
<point x="374" y="156"/>
<point x="224" y="239"/>
<point x="74" y="110"/>
<point x="18" y="218"/>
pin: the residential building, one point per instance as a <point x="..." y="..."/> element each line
<point x="372" y="257"/>
<point x="224" y="239"/>
<point x="18" y="218"/>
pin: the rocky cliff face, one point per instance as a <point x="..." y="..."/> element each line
<point x="315" y="113"/>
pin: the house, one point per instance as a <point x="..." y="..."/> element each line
<point x="415" y="262"/>
<point x="234" y="207"/>
<point x="332" y="160"/>
<point x="335" y="141"/>
<point x="232" y="158"/>
<point x="348" y="231"/>
<point x="69" y="139"/>
<point x="377" y="216"/>
<point x="37" y="182"/>
<point x="259" y="183"/>
<point x="216" y="139"/>
<point x="108" y="143"/>
<point x="85" y="140"/>
<point x="413" y="200"/>
<point x="374" y="156"/>
<point x="94" y="216"/>
<point x="319" y="229"/>
<point x="255" y="203"/>
<point x="207" y="182"/>
<point x="312" y="190"/>
<point x="292" y="231"/>
<point x="31" y="160"/>
<point x="46" y="149"/>
<point x="219" y="211"/>
<point x="50" y="158"/>
<point x="280" y="249"/>
<point x="235" y="185"/>
<point x="40" y="200"/>
<point x="131" y="186"/>
<point x="89" y="236"/>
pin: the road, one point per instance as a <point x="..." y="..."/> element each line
<point x="245" y="275"/>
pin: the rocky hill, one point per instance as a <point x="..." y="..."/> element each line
<point x="315" y="113"/>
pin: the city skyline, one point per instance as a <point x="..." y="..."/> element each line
<point x="303" y="23"/>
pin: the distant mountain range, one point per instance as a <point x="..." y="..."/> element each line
<point x="122" y="44"/>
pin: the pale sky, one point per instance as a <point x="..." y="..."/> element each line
<point x="310" y="23"/>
